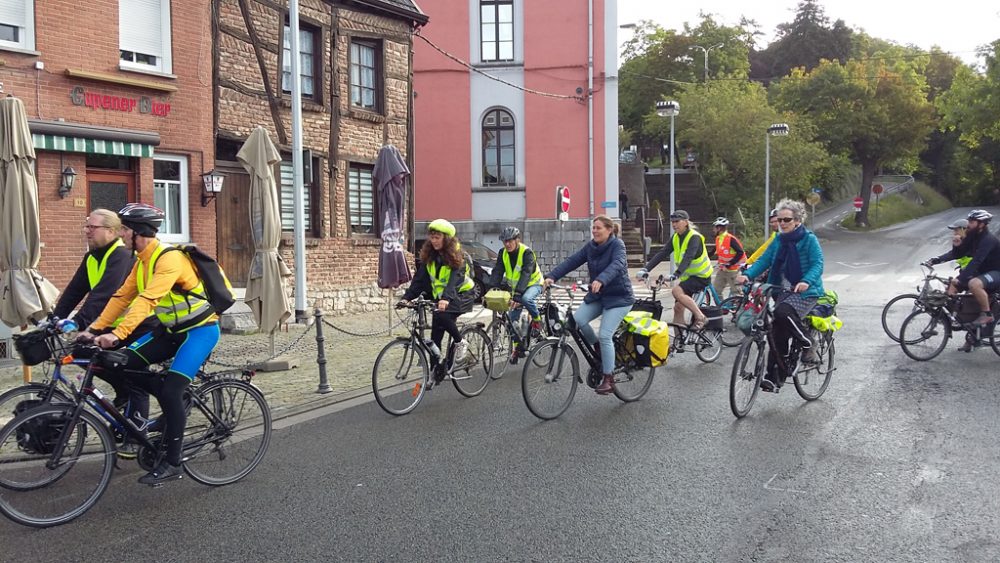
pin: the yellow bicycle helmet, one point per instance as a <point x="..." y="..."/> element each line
<point x="442" y="226"/>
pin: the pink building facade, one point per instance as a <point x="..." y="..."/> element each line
<point x="494" y="139"/>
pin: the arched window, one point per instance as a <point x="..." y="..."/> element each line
<point x="498" y="148"/>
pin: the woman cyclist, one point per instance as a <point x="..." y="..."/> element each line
<point x="610" y="296"/>
<point x="795" y="261"/>
<point x="445" y="277"/>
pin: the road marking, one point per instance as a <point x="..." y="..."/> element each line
<point x="768" y="486"/>
<point x="857" y="265"/>
<point x="910" y="279"/>
<point x="836" y="277"/>
<point x="871" y="278"/>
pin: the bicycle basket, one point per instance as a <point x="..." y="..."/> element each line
<point x="40" y="434"/>
<point x="935" y="298"/>
<point x="33" y="347"/>
<point x="497" y="300"/>
<point x="714" y="318"/>
<point x="649" y="305"/>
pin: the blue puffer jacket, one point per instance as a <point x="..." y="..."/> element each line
<point x="605" y="263"/>
<point x="810" y="258"/>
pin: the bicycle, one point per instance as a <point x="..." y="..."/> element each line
<point x="707" y="339"/>
<point x="941" y="315"/>
<point x="732" y="336"/>
<point x="38" y="346"/>
<point x="401" y="375"/>
<point x="69" y="445"/>
<point x="811" y="380"/>
<point x="507" y="337"/>
<point x="551" y="372"/>
<point x="902" y="306"/>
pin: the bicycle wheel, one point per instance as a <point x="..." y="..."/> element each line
<point x="399" y="377"/>
<point x="503" y="347"/>
<point x="633" y="382"/>
<point x="34" y="494"/>
<point x="548" y="382"/>
<point x="924" y="334"/>
<point x="29" y="392"/>
<point x="896" y="311"/>
<point x="731" y="334"/>
<point x="227" y="432"/>
<point x="748" y="370"/>
<point x="473" y="374"/>
<point x="708" y="346"/>
<point x="811" y="383"/>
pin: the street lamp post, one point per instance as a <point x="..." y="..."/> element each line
<point x="705" y="51"/>
<point x="670" y="109"/>
<point x="776" y="129"/>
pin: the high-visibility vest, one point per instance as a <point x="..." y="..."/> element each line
<point x="95" y="272"/>
<point x="700" y="267"/>
<point x="724" y="251"/>
<point x="439" y="279"/>
<point x="175" y="308"/>
<point x="760" y="251"/>
<point x="514" y="275"/>
<point x="963" y="261"/>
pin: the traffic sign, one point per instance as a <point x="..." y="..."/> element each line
<point x="817" y="190"/>
<point x="813" y="198"/>
<point x="877" y="189"/>
<point x="858" y="203"/>
<point x="563" y="199"/>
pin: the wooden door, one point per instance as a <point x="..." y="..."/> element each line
<point x="109" y="189"/>
<point x="232" y="214"/>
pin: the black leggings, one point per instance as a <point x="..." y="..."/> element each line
<point x="786" y="325"/>
<point x="441" y="323"/>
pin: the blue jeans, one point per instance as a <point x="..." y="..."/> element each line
<point x="610" y="319"/>
<point x="528" y="300"/>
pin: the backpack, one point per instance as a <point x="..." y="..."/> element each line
<point x="219" y="292"/>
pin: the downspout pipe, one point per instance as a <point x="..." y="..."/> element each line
<point x="590" y="104"/>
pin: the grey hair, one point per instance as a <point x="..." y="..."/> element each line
<point x="797" y="208"/>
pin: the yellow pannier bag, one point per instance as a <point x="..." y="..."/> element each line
<point x="647" y="340"/>
<point x="826" y="324"/>
<point x="497" y="300"/>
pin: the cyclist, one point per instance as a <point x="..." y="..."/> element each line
<point x="773" y="223"/>
<point x="517" y="269"/>
<point x="796" y="264"/>
<point x="731" y="257"/>
<point x="610" y="296"/>
<point x="982" y="274"/>
<point x="165" y="284"/>
<point x="692" y="267"/>
<point x="958" y="229"/>
<point x="446" y="277"/>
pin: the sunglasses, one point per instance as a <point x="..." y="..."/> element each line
<point x="785" y="219"/>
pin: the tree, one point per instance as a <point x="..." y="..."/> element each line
<point x="870" y="110"/>
<point x="803" y="42"/>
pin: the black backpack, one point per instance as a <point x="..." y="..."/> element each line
<point x="219" y="292"/>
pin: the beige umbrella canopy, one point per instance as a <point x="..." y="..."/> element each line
<point x="266" y="288"/>
<point x="24" y="294"/>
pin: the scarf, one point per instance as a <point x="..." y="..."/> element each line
<point x="786" y="261"/>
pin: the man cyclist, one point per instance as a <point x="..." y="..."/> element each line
<point x="982" y="275"/>
<point x="165" y="284"/>
<point x="693" y="268"/>
<point x="517" y="269"/>
<point x="730" y="254"/>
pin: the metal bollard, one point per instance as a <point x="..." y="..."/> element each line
<point x="324" y="385"/>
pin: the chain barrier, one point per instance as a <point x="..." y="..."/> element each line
<point x="366" y="334"/>
<point x="281" y="352"/>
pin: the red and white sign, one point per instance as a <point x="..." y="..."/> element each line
<point x="564" y="199"/>
<point x="877" y="189"/>
<point x="858" y="203"/>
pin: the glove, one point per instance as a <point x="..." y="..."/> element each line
<point x="929" y="262"/>
<point x="671" y="278"/>
<point x="642" y="274"/>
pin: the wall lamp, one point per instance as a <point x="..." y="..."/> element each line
<point x="68" y="178"/>
<point x="212" y="181"/>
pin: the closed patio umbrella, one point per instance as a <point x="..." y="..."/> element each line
<point x="266" y="288"/>
<point x="390" y="181"/>
<point x="24" y="294"/>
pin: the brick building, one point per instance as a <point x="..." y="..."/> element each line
<point x="129" y="109"/>
<point x="356" y="80"/>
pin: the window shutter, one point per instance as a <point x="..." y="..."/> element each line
<point x="140" y="26"/>
<point x="12" y="12"/>
<point x="288" y="200"/>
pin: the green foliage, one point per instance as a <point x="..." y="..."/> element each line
<point x="803" y="43"/>
<point x="898" y="208"/>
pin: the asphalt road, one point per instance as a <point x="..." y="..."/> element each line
<point x="897" y="462"/>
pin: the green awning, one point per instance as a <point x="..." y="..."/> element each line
<point x="92" y="146"/>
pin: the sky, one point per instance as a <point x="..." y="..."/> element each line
<point x="957" y="26"/>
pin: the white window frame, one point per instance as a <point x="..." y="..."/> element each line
<point x="356" y="208"/>
<point x="27" y="27"/>
<point x="182" y="185"/>
<point x="164" y="60"/>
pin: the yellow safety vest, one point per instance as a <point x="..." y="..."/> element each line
<point x="439" y="280"/>
<point x="513" y="276"/>
<point x="95" y="272"/>
<point x="174" y="308"/>
<point x="963" y="261"/>
<point x="700" y="267"/>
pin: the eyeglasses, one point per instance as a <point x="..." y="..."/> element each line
<point x="785" y="219"/>
<point x="92" y="227"/>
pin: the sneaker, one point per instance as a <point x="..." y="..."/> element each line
<point x="128" y="450"/>
<point x="767" y="384"/>
<point x="809" y="356"/>
<point x="162" y="473"/>
<point x="967" y="347"/>
<point x="461" y="349"/>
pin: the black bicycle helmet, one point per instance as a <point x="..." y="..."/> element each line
<point x="143" y="219"/>
<point x="980" y="215"/>
<point x="509" y="233"/>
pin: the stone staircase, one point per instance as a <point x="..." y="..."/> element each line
<point x="632" y="238"/>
